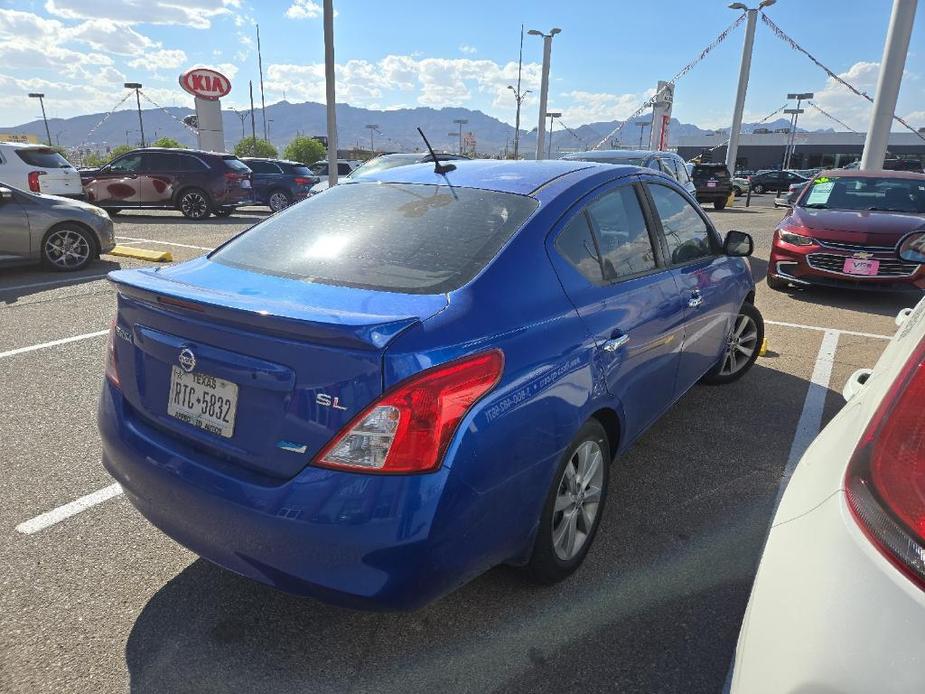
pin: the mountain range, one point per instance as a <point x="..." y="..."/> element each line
<point x="395" y="131"/>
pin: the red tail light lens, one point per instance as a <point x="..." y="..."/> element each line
<point x="112" y="359"/>
<point x="885" y="482"/>
<point x="302" y="181"/>
<point x="410" y="427"/>
<point x="34" y="184"/>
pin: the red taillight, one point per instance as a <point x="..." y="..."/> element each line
<point x="112" y="359"/>
<point x="885" y="482"/>
<point x="410" y="427"/>
<point x="302" y="181"/>
<point x="34" y="184"/>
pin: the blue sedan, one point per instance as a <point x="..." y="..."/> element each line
<point x="376" y="395"/>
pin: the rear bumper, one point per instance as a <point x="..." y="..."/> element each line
<point x="713" y="195"/>
<point x="829" y="614"/>
<point x="364" y="541"/>
<point x="793" y="264"/>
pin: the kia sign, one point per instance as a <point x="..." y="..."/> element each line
<point x="205" y="83"/>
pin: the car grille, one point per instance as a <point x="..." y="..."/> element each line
<point x="856" y="248"/>
<point x="890" y="265"/>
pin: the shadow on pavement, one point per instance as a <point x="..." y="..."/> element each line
<point x="656" y="606"/>
<point x="876" y="302"/>
<point x="141" y="217"/>
<point x="25" y="281"/>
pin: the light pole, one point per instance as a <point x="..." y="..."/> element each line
<point x="460" y="122"/>
<point x="549" y="146"/>
<point x="891" y="74"/>
<point x="243" y="116"/>
<point x="544" y="87"/>
<point x="329" y="90"/>
<point x="642" y="125"/>
<point x="745" y="67"/>
<point x="519" y="97"/>
<point x="141" y="126"/>
<point x="795" y="115"/>
<point x="372" y="129"/>
<point x="41" y="98"/>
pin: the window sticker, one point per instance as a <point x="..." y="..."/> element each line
<point x="820" y="192"/>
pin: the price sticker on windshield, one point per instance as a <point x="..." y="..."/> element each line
<point x="820" y="192"/>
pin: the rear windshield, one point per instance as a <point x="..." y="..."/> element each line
<point x="417" y="239"/>
<point x="865" y="193"/>
<point x="300" y="170"/>
<point x="236" y="164"/>
<point x="715" y="171"/>
<point x="45" y="158"/>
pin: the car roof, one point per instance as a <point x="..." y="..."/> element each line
<point x="181" y="150"/>
<point x="504" y="176"/>
<point x="25" y="145"/>
<point x="272" y="159"/>
<point x="872" y="173"/>
<point x="615" y="154"/>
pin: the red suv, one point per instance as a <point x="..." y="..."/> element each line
<point x="843" y="230"/>
<point x="196" y="183"/>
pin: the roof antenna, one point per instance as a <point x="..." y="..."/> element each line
<point x="442" y="169"/>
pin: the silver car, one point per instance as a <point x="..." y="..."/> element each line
<point x="63" y="234"/>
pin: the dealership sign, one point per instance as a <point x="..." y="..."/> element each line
<point x="205" y="83"/>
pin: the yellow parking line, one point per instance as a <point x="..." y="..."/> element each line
<point x="142" y="254"/>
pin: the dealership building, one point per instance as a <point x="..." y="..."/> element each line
<point x="765" y="150"/>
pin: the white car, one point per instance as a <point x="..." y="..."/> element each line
<point x="320" y="170"/>
<point x="39" y="169"/>
<point x="838" y="604"/>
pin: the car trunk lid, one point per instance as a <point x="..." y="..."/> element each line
<point x="302" y="358"/>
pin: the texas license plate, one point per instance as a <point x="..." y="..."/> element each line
<point x="204" y="401"/>
<point x="856" y="266"/>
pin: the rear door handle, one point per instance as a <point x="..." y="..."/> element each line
<point x="695" y="300"/>
<point x="613" y="344"/>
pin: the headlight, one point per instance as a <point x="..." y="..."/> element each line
<point x="795" y="239"/>
<point x="99" y="212"/>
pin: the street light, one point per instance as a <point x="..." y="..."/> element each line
<point x="41" y="97"/>
<point x="372" y="129"/>
<point x="460" y="122"/>
<point x="794" y="116"/>
<point x="744" y="69"/>
<point x="519" y="97"/>
<point x="141" y="126"/>
<point x="544" y="86"/>
<point x="551" y="115"/>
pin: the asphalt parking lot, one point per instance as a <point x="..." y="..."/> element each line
<point x="101" y="601"/>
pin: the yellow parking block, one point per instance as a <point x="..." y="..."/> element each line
<point x="142" y="254"/>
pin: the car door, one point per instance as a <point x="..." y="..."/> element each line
<point x="265" y="175"/>
<point x="627" y="298"/>
<point x="15" y="241"/>
<point x="706" y="281"/>
<point x="117" y="182"/>
<point x="157" y="178"/>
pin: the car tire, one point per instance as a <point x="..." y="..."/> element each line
<point x="573" y="508"/>
<point x="67" y="247"/>
<point x="776" y="283"/>
<point x="223" y="211"/>
<point x="719" y="204"/>
<point x="279" y="200"/>
<point x="758" y="188"/>
<point x="194" y="204"/>
<point x="737" y="191"/>
<point x="742" y="347"/>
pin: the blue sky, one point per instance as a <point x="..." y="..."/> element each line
<point x="408" y="53"/>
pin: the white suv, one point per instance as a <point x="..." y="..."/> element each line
<point x="39" y="169"/>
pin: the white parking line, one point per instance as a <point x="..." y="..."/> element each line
<point x="56" y="515"/>
<point x="133" y="239"/>
<point x="53" y="343"/>
<point x="826" y="330"/>
<point x="33" y="285"/>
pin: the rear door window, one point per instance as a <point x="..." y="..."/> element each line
<point x="262" y="167"/>
<point x="343" y="169"/>
<point x="159" y="162"/>
<point x="576" y="244"/>
<point x="622" y="234"/>
<point x="417" y="239"/>
<point x="686" y="232"/>
<point x="127" y="164"/>
<point x="187" y="162"/>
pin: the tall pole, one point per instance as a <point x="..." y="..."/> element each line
<point x="549" y="144"/>
<point x="891" y="74"/>
<point x="41" y="98"/>
<point x="141" y="126"/>
<point x="745" y="67"/>
<point x="544" y="89"/>
<point x="329" y="90"/>
<point x="263" y="104"/>
<point x="250" y="86"/>
<point x="460" y="122"/>
<point x="372" y="128"/>
<point x="520" y="62"/>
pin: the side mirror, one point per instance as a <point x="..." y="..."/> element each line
<point x="738" y="244"/>
<point x="911" y="247"/>
<point x="5" y="194"/>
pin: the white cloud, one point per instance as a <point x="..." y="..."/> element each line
<point x="167" y="59"/>
<point x="467" y="49"/>
<point x="109" y="36"/>
<point x="193" y="13"/>
<point x="589" y="107"/>
<point x="304" y="9"/>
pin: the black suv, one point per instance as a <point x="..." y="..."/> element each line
<point x="779" y="181"/>
<point x="196" y="183"/>
<point x="279" y="183"/>
<point x="713" y="183"/>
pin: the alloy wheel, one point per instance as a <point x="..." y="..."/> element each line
<point x="577" y="500"/>
<point x="66" y="248"/>
<point x="740" y="345"/>
<point x="278" y="201"/>
<point x="194" y="205"/>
